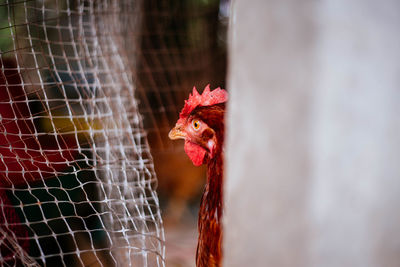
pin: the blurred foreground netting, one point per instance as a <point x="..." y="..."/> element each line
<point x="77" y="183"/>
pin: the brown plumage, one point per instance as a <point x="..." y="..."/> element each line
<point x="201" y="124"/>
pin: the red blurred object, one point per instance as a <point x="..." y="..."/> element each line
<point x="26" y="156"/>
<point x="201" y="125"/>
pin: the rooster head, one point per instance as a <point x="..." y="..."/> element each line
<point x="200" y="124"/>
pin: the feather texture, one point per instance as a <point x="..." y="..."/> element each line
<point x="203" y="131"/>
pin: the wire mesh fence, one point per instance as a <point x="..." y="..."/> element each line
<point x="77" y="178"/>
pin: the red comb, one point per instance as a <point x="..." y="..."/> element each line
<point x="207" y="98"/>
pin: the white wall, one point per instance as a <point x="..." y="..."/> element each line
<point x="313" y="145"/>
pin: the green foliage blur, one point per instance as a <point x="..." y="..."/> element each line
<point x="5" y="30"/>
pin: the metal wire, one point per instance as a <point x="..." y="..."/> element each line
<point x="76" y="172"/>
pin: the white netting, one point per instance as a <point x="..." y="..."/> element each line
<point x="76" y="174"/>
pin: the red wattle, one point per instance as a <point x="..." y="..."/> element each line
<point x="195" y="152"/>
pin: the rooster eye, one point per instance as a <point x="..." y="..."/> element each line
<point x="196" y="125"/>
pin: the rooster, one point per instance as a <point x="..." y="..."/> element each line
<point x="201" y="125"/>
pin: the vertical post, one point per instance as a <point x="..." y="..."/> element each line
<point x="268" y="154"/>
<point x="313" y="144"/>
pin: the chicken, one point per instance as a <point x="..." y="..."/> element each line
<point x="201" y="125"/>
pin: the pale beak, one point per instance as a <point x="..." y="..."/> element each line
<point x="176" y="133"/>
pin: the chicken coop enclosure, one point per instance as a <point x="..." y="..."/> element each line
<point x="82" y="86"/>
<point x="76" y="173"/>
<point x="90" y="89"/>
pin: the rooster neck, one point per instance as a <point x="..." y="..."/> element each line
<point x="210" y="215"/>
<point x="212" y="196"/>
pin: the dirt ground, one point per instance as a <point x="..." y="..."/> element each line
<point x="181" y="242"/>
